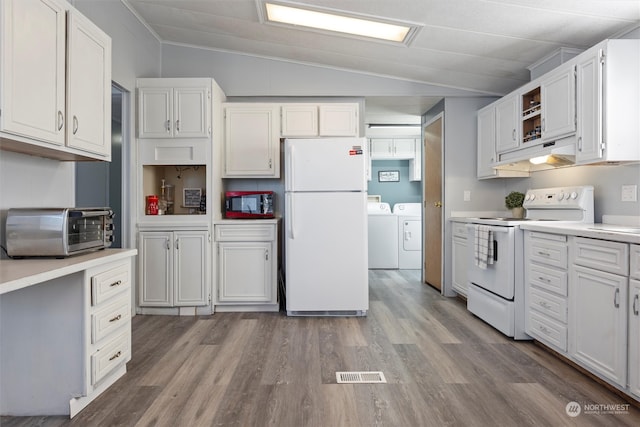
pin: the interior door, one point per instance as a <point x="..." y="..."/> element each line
<point x="432" y="248"/>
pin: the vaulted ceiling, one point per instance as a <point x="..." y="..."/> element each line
<point x="478" y="45"/>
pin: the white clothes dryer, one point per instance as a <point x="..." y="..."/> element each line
<point x="383" y="236"/>
<point x="409" y="235"/>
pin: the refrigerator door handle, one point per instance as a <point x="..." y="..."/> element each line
<point x="290" y="185"/>
<point x="290" y="217"/>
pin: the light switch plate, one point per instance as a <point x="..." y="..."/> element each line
<point x="629" y="193"/>
<point x="466" y="196"/>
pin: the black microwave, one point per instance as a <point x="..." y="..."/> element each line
<point x="249" y="204"/>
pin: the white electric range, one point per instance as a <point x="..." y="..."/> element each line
<point x="496" y="254"/>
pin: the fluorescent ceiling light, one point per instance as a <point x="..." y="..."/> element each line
<point x="337" y="21"/>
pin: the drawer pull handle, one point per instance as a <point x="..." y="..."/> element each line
<point x="118" y="283"/>
<point x="115" y="356"/>
<point x="544" y="279"/>
<point x="616" y="296"/>
<point x="547" y="254"/>
<point x="115" y="319"/>
<point x="544" y="329"/>
<point x="635" y="304"/>
<point x="543" y="304"/>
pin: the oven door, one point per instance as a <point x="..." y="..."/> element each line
<point x="498" y="277"/>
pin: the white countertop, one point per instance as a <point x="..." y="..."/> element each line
<point x="595" y="231"/>
<point x="19" y="273"/>
<point x="246" y="220"/>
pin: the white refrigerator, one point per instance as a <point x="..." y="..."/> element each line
<point x="326" y="263"/>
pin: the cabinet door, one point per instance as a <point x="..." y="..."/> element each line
<point x="415" y="164"/>
<point x="381" y="148"/>
<point x="299" y="120"/>
<point x="155" y="112"/>
<point x="634" y="337"/>
<point x="191" y="273"/>
<point x="88" y="87"/>
<point x="459" y="271"/>
<point x="33" y="69"/>
<point x="191" y="112"/>
<point x="338" y="120"/>
<point x="252" y="142"/>
<point x="244" y="272"/>
<point x="156" y="269"/>
<point x="507" y="123"/>
<point x="598" y="322"/>
<point x="404" y="148"/>
<point x="486" y="143"/>
<point x="589" y="108"/>
<point x="558" y="105"/>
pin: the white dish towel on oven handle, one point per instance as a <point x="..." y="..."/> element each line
<point x="483" y="246"/>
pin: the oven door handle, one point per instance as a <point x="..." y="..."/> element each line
<point x="495" y="251"/>
<point x="87" y="214"/>
<point x="492" y="228"/>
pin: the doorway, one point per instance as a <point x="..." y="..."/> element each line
<point x="101" y="183"/>
<point x="432" y="161"/>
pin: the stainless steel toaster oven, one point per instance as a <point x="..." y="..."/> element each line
<point x="57" y="232"/>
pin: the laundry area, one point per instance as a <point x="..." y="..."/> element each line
<point x="394" y="195"/>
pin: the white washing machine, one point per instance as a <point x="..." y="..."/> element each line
<point x="383" y="236"/>
<point x="409" y="235"/>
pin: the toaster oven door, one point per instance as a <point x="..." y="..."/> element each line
<point x="86" y="230"/>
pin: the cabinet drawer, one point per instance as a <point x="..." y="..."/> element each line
<point x="549" y="249"/>
<point x="110" y="356"/>
<point x="603" y="255"/>
<point x="548" y="304"/>
<point x="245" y="232"/>
<point x="548" y="278"/>
<point x="460" y="229"/>
<point x="109" y="283"/>
<point x="634" y="261"/>
<point x="548" y="331"/>
<point x="108" y="319"/>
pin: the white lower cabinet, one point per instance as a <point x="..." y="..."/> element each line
<point x="247" y="265"/>
<point x="459" y="258"/>
<point x="598" y="290"/>
<point x="545" y="278"/>
<point x="634" y="320"/>
<point x="174" y="268"/>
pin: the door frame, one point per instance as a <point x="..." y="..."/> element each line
<point x="425" y="125"/>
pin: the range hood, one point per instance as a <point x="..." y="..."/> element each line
<point x="545" y="156"/>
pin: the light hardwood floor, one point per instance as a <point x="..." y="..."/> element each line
<point x="443" y="367"/>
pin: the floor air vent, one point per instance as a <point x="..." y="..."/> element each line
<point x="360" y="377"/>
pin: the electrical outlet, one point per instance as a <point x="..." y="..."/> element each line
<point x="466" y="196"/>
<point x="629" y="193"/>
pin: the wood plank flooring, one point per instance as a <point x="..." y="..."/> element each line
<point x="443" y="366"/>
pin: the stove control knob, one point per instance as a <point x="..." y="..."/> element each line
<point x="561" y="197"/>
<point x="533" y="197"/>
<point x="574" y="195"/>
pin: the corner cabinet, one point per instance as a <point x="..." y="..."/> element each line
<point x="608" y="105"/>
<point x="247" y="255"/>
<point x="174" y="108"/>
<point x="251" y="140"/>
<point x="55" y="101"/>
<point x="174" y="268"/>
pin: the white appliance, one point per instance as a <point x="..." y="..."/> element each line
<point x="496" y="255"/>
<point x="326" y="227"/>
<point x="409" y="235"/>
<point x="382" y="236"/>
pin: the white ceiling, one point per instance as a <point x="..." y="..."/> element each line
<point x="478" y="45"/>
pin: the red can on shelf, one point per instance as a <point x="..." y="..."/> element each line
<point x="152" y="205"/>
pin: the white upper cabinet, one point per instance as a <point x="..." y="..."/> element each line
<point x="558" y="105"/>
<point x="299" y="120"/>
<point x="486" y="142"/>
<point x="393" y="148"/>
<point x="88" y="87"/>
<point x="56" y="82"/>
<point x="174" y="108"/>
<point x="608" y="105"/>
<point x="251" y="140"/>
<point x="311" y="120"/>
<point x="33" y="69"/>
<point x="338" y="119"/>
<point x="507" y="123"/>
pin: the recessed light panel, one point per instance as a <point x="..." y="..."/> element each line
<point x="305" y="17"/>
